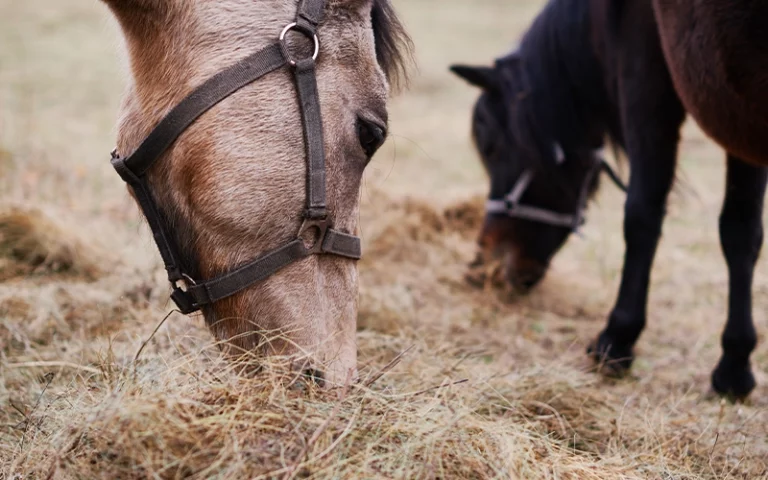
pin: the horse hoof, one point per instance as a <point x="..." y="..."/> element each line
<point x="612" y="360"/>
<point x="733" y="382"/>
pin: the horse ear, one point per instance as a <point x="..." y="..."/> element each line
<point x="511" y="60"/>
<point x="483" y="77"/>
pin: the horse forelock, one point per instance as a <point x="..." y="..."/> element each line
<point x="393" y="45"/>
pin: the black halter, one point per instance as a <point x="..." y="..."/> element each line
<point x="510" y="205"/>
<point x="133" y="169"/>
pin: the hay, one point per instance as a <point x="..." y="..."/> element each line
<point x="75" y="404"/>
<point x="33" y="241"/>
<point x="546" y="422"/>
<point x="456" y="402"/>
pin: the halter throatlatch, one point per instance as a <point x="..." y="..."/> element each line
<point x="510" y="205"/>
<point x="189" y="294"/>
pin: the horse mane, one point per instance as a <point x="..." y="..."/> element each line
<point x="557" y="85"/>
<point x="614" y="14"/>
<point x="393" y="45"/>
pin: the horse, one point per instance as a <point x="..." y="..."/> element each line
<point x="717" y="55"/>
<point x="242" y="124"/>
<point x="596" y="72"/>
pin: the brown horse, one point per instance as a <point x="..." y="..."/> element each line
<point x="587" y="70"/>
<point x="232" y="187"/>
<point x="717" y="54"/>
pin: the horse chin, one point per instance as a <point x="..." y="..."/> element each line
<point x="327" y="353"/>
<point x="288" y="323"/>
<point x="524" y="280"/>
<point x="338" y="364"/>
<point x="331" y="364"/>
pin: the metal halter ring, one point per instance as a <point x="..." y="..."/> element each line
<point x="288" y="28"/>
<point x="187" y="282"/>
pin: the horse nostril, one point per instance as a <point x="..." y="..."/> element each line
<point x="316" y="376"/>
<point x="527" y="280"/>
<point x="371" y="136"/>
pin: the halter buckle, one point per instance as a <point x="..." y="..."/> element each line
<point x="316" y="245"/>
<point x="181" y="295"/>
<point x="308" y="34"/>
<point x="184" y="300"/>
<point x="509" y="204"/>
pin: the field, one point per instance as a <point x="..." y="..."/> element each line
<point x="458" y="382"/>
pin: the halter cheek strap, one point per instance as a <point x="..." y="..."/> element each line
<point x="133" y="169"/>
<point x="510" y="205"/>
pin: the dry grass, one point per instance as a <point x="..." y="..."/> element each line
<point x="457" y="404"/>
<point x="458" y="382"/>
<point x="33" y="242"/>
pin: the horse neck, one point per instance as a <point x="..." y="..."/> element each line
<point x="564" y="76"/>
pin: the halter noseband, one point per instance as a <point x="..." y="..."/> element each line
<point x="510" y="204"/>
<point x="133" y="169"/>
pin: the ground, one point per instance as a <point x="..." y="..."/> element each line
<point x="458" y="382"/>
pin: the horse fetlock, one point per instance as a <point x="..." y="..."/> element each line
<point x="733" y="378"/>
<point x="738" y="344"/>
<point x="613" y="358"/>
<point x="624" y="326"/>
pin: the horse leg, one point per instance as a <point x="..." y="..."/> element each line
<point x="741" y="237"/>
<point x="651" y="114"/>
<point x="644" y="210"/>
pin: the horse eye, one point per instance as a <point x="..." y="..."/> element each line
<point x="371" y="136"/>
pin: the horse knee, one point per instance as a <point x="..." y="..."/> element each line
<point x="642" y="220"/>
<point x="741" y="235"/>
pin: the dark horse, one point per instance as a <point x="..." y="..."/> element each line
<point x="588" y="70"/>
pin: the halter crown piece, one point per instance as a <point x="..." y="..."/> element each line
<point x="189" y="294"/>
